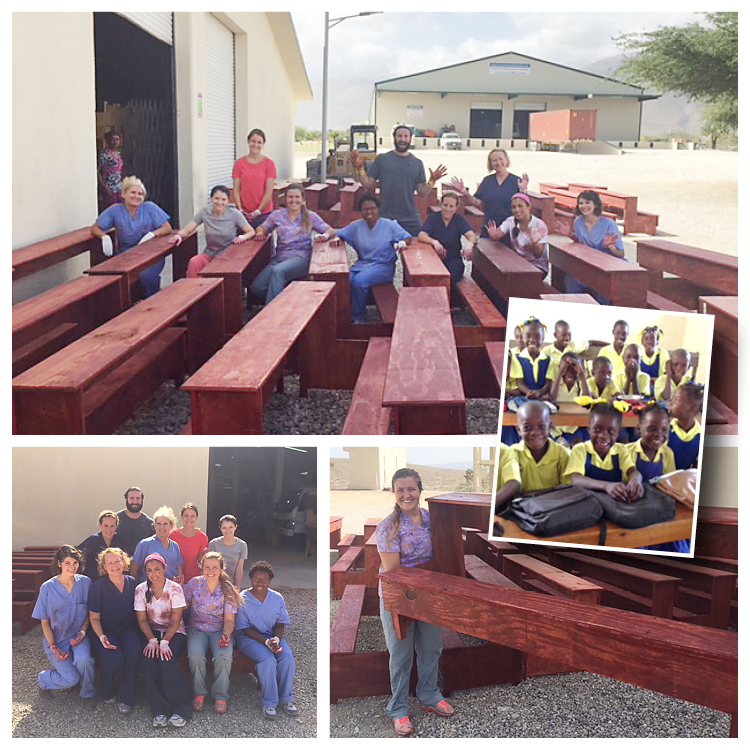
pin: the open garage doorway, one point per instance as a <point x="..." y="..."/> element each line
<point x="135" y="97"/>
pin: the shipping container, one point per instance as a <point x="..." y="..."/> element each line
<point x="563" y="126"/>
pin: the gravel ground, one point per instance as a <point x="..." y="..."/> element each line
<point x="63" y="716"/>
<point x="577" y="704"/>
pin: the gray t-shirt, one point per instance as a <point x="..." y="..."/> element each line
<point x="132" y="530"/>
<point x="399" y="177"/>
<point x="220" y="230"/>
<point x="231" y="554"/>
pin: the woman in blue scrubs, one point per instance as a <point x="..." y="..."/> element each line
<point x="259" y="634"/>
<point x="113" y="620"/>
<point x="160" y="543"/>
<point x="62" y="607"/>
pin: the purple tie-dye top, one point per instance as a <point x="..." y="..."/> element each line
<point x="413" y="543"/>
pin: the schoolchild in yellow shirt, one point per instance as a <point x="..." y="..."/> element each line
<point x="613" y="352"/>
<point x="600" y="383"/>
<point x="632" y="381"/>
<point x="675" y="375"/>
<point x="685" y="429"/>
<point x="563" y="343"/>
<point x="569" y="383"/>
<point x="653" y="359"/>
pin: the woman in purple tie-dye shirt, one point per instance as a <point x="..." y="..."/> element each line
<point x="404" y="538"/>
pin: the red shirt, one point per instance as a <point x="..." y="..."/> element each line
<point x="253" y="182"/>
<point x="190" y="547"/>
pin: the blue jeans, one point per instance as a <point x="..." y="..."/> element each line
<point x="198" y="644"/>
<point x="151" y="278"/>
<point x="165" y="689"/>
<point x="362" y="276"/>
<point x="427" y="639"/>
<point x="270" y="282"/>
<point x="456" y="268"/>
<point x="127" y="657"/>
<point x="79" y="666"/>
<point x="275" y="671"/>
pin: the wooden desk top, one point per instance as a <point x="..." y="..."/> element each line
<point x="245" y="362"/>
<point x="136" y="258"/>
<point x="235" y="257"/>
<point x="603" y="263"/>
<point x="423" y="364"/>
<point x="423" y="267"/>
<point x="581" y="299"/>
<point x="510" y="261"/>
<point x="680" y="527"/>
<point x="720" y="305"/>
<point x="570" y="415"/>
<point x="327" y="258"/>
<point x="38" y="251"/>
<point x="81" y="362"/>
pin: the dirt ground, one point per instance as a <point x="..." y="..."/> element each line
<point x="694" y="193"/>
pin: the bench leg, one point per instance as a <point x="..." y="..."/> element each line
<point x="216" y="413"/>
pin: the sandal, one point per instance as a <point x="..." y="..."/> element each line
<point x="442" y="709"/>
<point x="198" y="702"/>
<point x="403" y="726"/>
<point x="220" y="707"/>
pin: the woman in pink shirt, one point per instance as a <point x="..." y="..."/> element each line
<point x="193" y="543"/>
<point x="254" y="177"/>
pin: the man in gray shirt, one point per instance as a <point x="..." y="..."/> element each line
<point x="134" y="525"/>
<point x="399" y="173"/>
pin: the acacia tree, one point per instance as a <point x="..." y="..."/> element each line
<point x="696" y="60"/>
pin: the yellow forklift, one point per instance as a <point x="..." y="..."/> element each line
<point x="363" y="138"/>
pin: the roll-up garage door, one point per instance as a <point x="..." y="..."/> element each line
<point x="157" y="24"/>
<point x="218" y="101"/>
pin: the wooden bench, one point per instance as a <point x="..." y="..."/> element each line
<point x="335" y="524"/>
<point x="385" y="297"/>
<point x="92" y="385"/>
<point x="499" y="270"/>
<point x="576" y="299"/>
<point x="237" y="266"/>
<point x="348" y="541"/>
<point x="228" y="393"/>
<point x="347" y="570"/>
<point x="543" y="207"/>
<point x="40" y="255"/>
<point x="717" y="533"/>
<point x="702" y="272"/>
<point x="50" y="321"/>
<point x="423" y="381"/>
<point x="491" y="551"/>
<point x="622" y="645"/>
<point x="656" y="302"/>
<point x="625" y="586"/>
<point x="724" y="357"/>
<point x="478" y="570"/>
<point x="423" y="267"/>
<point x="537" y="575"/>
<point x="624" y="284"/>
<point x="496" y="354"/>
<point x="480" y="306"/>
<point x="367" y="415"/>
<point x="132" y="262"/>
<point x="329" y="263"/>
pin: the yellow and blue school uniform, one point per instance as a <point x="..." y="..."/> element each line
<point x="644" y="384"/>
<point x="656" y="365"/>
<point x="545" y="474"/>
<point x="533" y="372"/>
<point x="506" y="470"/>
<point x="577" y="347"/>
<point x="568" y="395"/>
<point x="661" y="384"/>
<point x="607" y="394"/>
<point x="663" y="462"/>
<point x="586" y="461"/>
<point x="685" y="445"/>
<point x="616" y="359"/>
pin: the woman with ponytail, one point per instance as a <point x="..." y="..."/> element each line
<point x="159" y="603"/>
<point x="213" y="601"/>
<point x="294" y="225"/>
<point x="405" y="538"/>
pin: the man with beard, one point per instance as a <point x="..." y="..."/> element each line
<point x="134" y="525"/>
<point x="399" y="173"/>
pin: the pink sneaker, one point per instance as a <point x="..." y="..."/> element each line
<point x="403" y="726"/>
<point x="442" y="709"/>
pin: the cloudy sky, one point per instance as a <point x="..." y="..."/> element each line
<point x="374" y="48"/>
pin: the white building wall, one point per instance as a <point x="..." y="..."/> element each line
<point x="373" y="468"/>
<point x="54" y="136"/>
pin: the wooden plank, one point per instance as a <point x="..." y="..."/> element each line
<point x="480" y="306"/>
<point x="580" y="299"/>
<point x="40" y="255"/>
<point x="334" y="530"/>
<point x="623" y="283"/>
<point x="505" y="271"/>
<point x="345" y="626"/>
<point x="423" y="267"/>
<point x="724" y="356"/>
<point x="716" y="533"/>
<point x="343" y="571"/>
<point x="696" y="664"/>
<point x="519" y="567"/>
<point x="705" y="268"/>
<point x="329" y="262"/>
<point x="386" y="300"/>
<point x="479" y="570"/>
<point x="228" y="391"/>
<point x="423" y="381"/>
<point x="366" y="414"/>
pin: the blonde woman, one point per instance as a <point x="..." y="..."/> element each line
<point x="213" y="601"/>
<point x="294" y="226"/>
<point x="160" y="543"/>
<point x="135" y="220"/>
<point x="117" y="640"/>
<point x="404" y="538"/>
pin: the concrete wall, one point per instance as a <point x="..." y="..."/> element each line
<point x="373" y="468"/>
<point x="58" y="493"/>
<point x="54" y="142"/>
